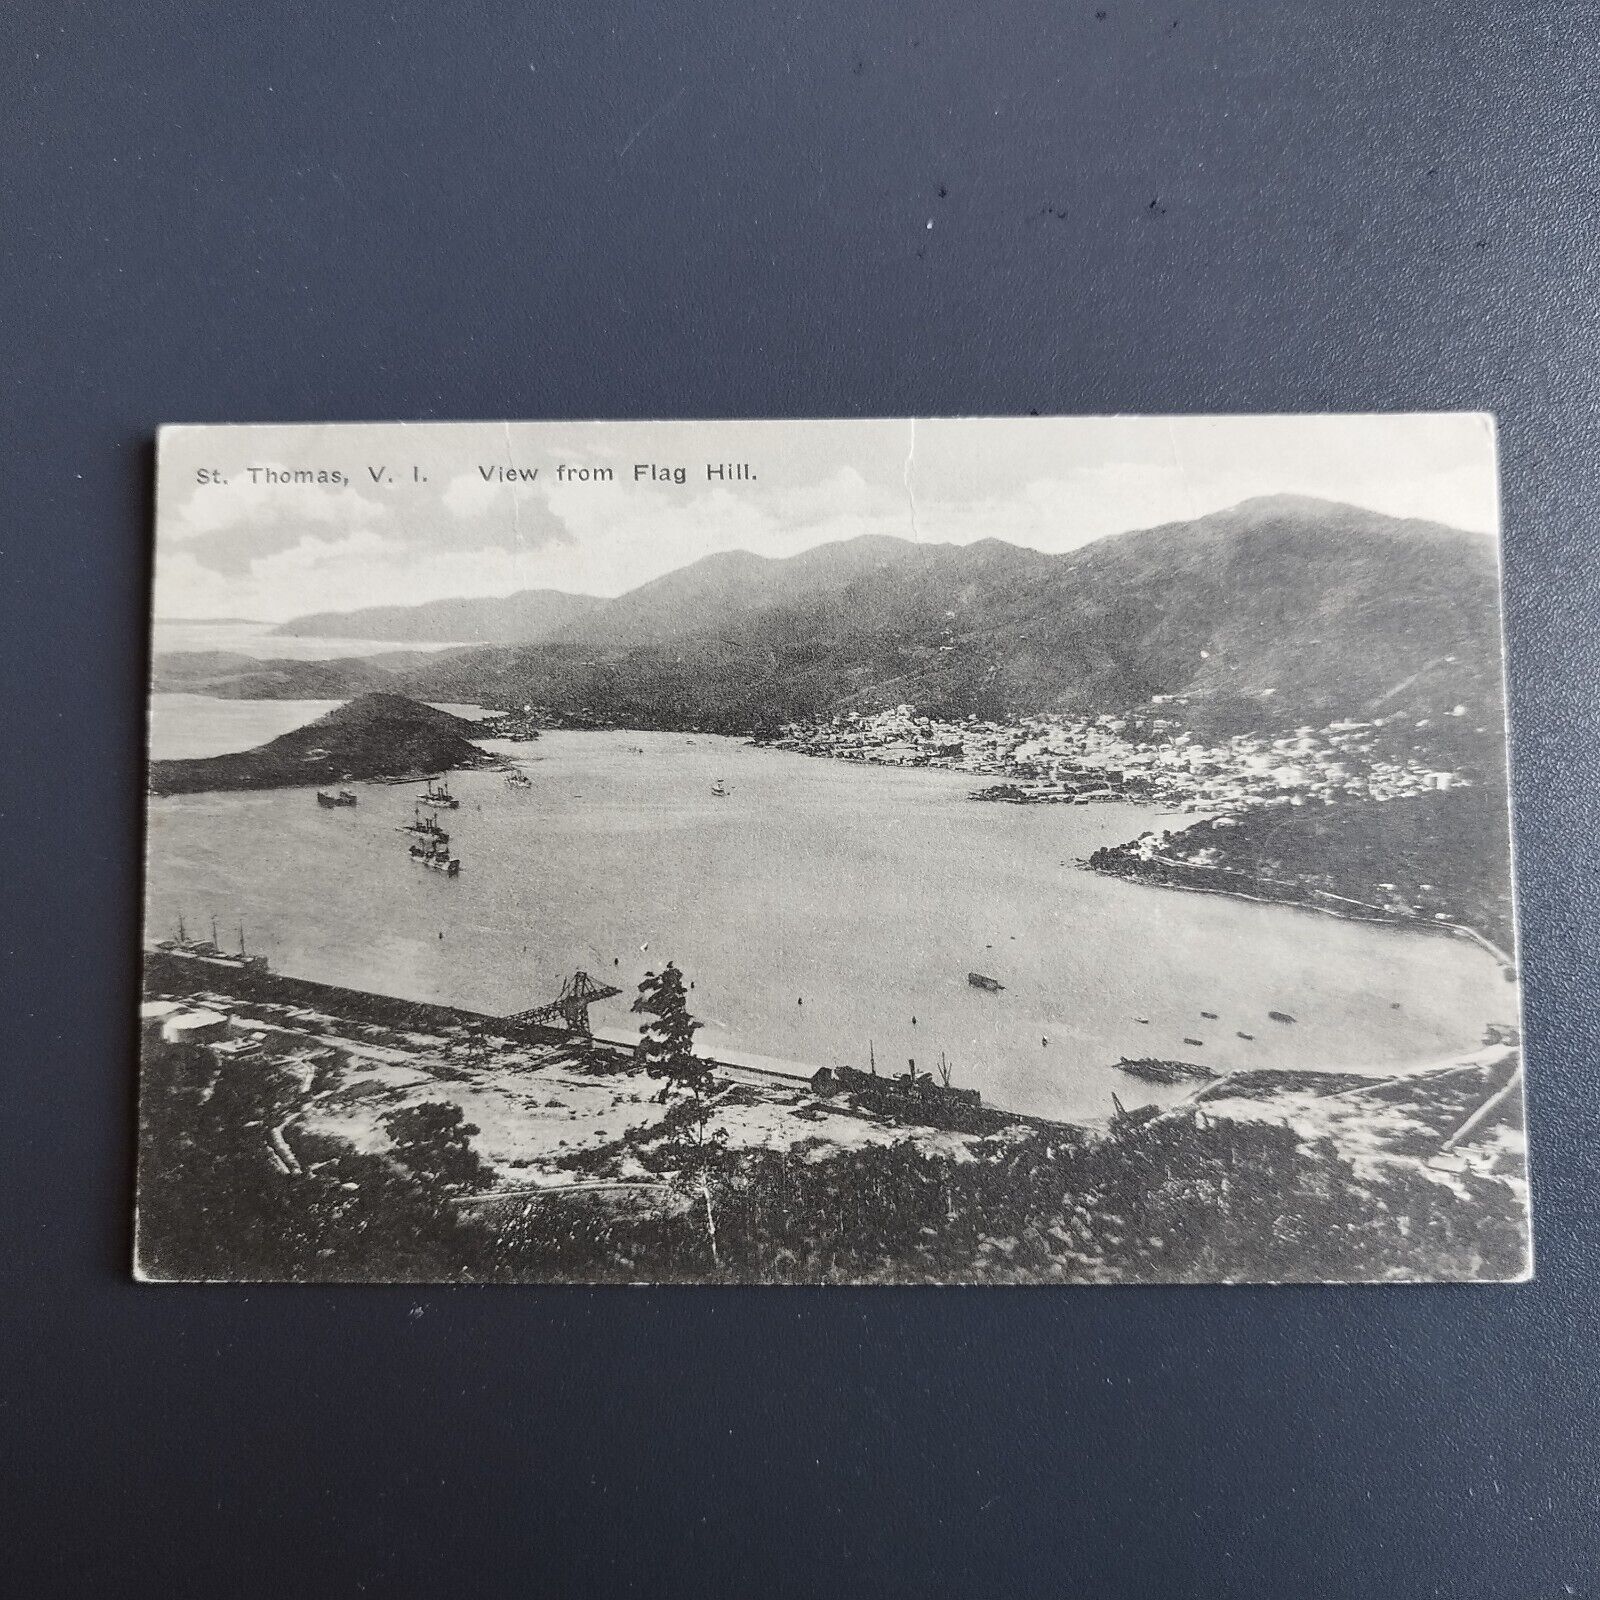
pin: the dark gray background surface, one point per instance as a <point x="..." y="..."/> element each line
<point x="297" y="212"/>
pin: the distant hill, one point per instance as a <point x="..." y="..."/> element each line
<point x="209" y="622"/>
<point x="1277" y="610"/>
<point x="522" y="618"/>
<point x="373" y="736"/>
<point x="710" y="593"/>
<point x="228" y="675"/>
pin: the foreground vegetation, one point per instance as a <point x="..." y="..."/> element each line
<point x="1188" y="1197"/>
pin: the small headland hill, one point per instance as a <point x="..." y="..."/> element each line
<point x="373" y="736"/>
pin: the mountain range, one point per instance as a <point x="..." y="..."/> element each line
<point x="1277" y="610"/>
<point x="522" y="618"/>
<point x="228" y="675"/>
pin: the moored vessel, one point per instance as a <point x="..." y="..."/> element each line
<point x="436" y="858"/>
<point x="438" y="794"/>
<point x="209" y="952"/>
<point x="424" y="827"/>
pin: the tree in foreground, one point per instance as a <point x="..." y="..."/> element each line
<point x="702" y="1165"/>
<point x="666" y="1046"/>
<point x="433" y="1141"/>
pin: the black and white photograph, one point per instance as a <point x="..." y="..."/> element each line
<point x="1019" y="851"/>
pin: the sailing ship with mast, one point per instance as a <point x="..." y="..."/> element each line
<point x="210" y="951"/>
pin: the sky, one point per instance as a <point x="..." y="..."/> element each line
<point x="397" y="513"/>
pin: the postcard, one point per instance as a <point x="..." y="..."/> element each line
<point x="1033" y="850"/>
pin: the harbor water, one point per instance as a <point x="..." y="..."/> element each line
<point x="825" y="912"/>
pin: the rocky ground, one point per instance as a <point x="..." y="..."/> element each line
<point x="546" y="1117"/>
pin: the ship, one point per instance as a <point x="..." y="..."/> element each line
<point x="344" y="797"/>
<point x="438" y="794"/>
<point x="208" y="953"/>
<point x="424" y="827"/>
<point x="436" y="858"/>
<point x="518" y="780"/>
<point x="981" y="980"/>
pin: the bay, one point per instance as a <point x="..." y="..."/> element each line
<point x="183" y="726"/>
<point x="824" y="911"/>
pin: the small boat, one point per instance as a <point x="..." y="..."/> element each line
<point x="345" y="797"/>
<point x="438" y="794"/>
<point x="1280" y="1016"/>
<point x="518" y="780"/>
<point x="981" y="980"/>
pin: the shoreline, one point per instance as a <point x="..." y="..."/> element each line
<point x="163" y="969"/>
<point x="164" y="973"/>
<point x="551" y="1111"/>
<point x="1378" y="917"/>
<point x="1185" y="819"/>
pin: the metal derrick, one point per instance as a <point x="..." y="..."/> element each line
<point x="578" y="993"/>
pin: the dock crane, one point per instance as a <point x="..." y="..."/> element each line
<point x="578" y="993"/>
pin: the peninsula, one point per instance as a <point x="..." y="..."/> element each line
<point x="373" y="736"/>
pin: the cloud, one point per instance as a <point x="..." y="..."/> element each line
<point x="228" y="533"/>
<point x="357" y="570"/>
<point x="235" y="533"/>
<point x="470" y="494"/>
<point x="440" y="527"/>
